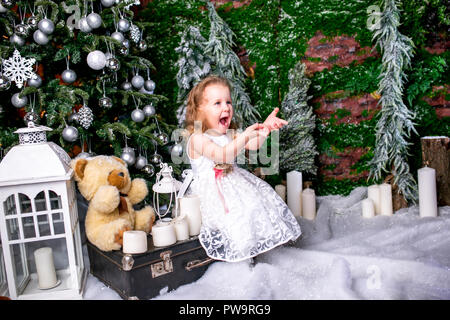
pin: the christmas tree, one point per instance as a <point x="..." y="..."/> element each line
<point x="297" y="146"/>
<point x="81" y="69"/>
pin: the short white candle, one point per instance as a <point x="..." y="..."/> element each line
<point x="281" y="191"/>
<point x="427" y="192"/>
<point x="163" y="235"/>
<point x="308" y="204"/>
<point x="294" y="192"/>
<point x="45" y="268"/>
<point x="190" y="207"/>
<point x="373" y="193"/>
<point x="386" y="199"/>
<point x="181" y="228"/>
<point x="134" y="242"/>
<point x="368" y="208"/>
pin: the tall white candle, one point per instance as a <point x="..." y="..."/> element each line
<point x="427" y="192"/>
<point x="386" y="199"/>
<point x="308" y="204"/>
<point x="373" y="193"/>
<point x="45" y="268"/>
<point x="281" y="191"/>
<point x="294" y="192"/>
<point x="181" y="228"/>
<point x="368" y="208"/>
<point x="190" y="207"/>
<point x="163" y="234"/>
<point x="134" y="242"/>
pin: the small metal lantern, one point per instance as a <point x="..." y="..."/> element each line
<point x="39" y="220"/>
<point x="165" y="184"/>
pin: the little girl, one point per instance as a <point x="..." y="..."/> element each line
<point x="242" y="216"/>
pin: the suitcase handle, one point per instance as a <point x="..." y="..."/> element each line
<point x="198" y="263"/>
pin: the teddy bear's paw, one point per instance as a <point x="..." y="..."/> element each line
<point x="106" y="199"/>
<point x="118" y="237"/>
<point x="145" y="219"/>
<point x="138" y="190"/>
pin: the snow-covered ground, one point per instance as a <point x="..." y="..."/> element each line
<point x="340" y="255"/>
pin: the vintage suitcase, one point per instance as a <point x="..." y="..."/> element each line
<point x="142" y="276"/>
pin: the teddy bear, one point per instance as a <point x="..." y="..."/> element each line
<point x="105" y="182"/>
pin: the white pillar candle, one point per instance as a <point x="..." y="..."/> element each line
<point x="163" y="235"/>
<point x="427" y="192"/>
<point x="181" y="228"/>
<point x="368" y="208"/>
<point x="294" y="192"/>
<point x="190" y="207"/>
<point x="386" y="199"/>
<point x="134" y="242"/>
<point x="281" y="191"/>
<point x="373" y="193"/>
<point x="45" y="268"/>
<point x="308" y="204"/>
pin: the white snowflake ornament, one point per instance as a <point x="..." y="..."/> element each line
<point x="19" y="69"/>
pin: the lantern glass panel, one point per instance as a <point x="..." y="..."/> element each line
<point x="12" y="228"/>
<point x="39" y="202"/>
<point x="24" y="203"/>
<point x="44" y="225"/>
<point x="58" y="223"/>
<point x="18" y="257"/>
<point x="9" y="206"/>
<point x="55" y="200"/>
<point x="28" y="227"/>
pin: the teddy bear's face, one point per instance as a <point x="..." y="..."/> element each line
<point x="98" y="171"/>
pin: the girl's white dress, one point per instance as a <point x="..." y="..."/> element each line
<point x="257" y="219"/>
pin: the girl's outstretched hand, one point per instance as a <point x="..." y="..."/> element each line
<point x="273" y="122"/>
<point x="253" y="131"/>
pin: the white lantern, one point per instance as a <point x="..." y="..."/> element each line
<point x="165" y="184"/>
<point x="39" y="220"/>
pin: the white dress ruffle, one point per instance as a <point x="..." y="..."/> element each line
<point x="258" y="219"/>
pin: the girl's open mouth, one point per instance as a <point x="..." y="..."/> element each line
<point x="224" y="121"/>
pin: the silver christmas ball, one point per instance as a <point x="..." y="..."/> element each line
<point x="149" y="110"/>
<point x="21" y="30"/>
<point x="126" y="43"/>
<point x="15" y="39"/>
<point x="113" y="64"/>
<point x="40" y="37"/>
<point x="31" y="117"/>
<point x="70" y="134"/>
<point x="7" y="3"/>
<point x="118" y="36"/>
<point x="123" y="50"/>
<point x="84" y="25"/>
<point x="141" y="161"/>
<point x="156" y="158"/>
<point x="126" y="86"/>
<point x="94" y="20"/>
<point x="123" y="25"/>
<point x="3" y="9"/>
<point x="177" y="150"/>
<point x="73" y="118"/>
<point x="69" y="76"/>
<point x="108" y="3"/>
<point x="35" y="82"/>
<point x="5" y="83"/>
<point x="163" y="137"/>
<point x="142" y="45"/>
<point x="128" y="156"/>
<point x="149" y="85"/>
<point x="137" y="115"/>
<point x="32" y="21"/>
<point x="83" y="155"/>
<point x="142" y="90"/>
<point x="46" y="26"/>
<point x="105" y="102"/>
<point x="149" y="169"/>
<point x="137" y="81"/>
<point x="17" y="101"/>
<point x="96" y="60"/>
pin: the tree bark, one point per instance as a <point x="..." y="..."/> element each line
<point x="436" y="155"/>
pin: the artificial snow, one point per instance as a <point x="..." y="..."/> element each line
<point x="340" y="255"/>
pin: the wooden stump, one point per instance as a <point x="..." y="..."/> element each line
<point x="436" y="155"/>
<point x="398" y="201"/>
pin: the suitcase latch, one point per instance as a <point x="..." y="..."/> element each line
<point x="127" y="262"/>
<point x="163" y="267"/>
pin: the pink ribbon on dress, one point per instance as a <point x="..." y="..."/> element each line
<point x="219" y="175"/>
